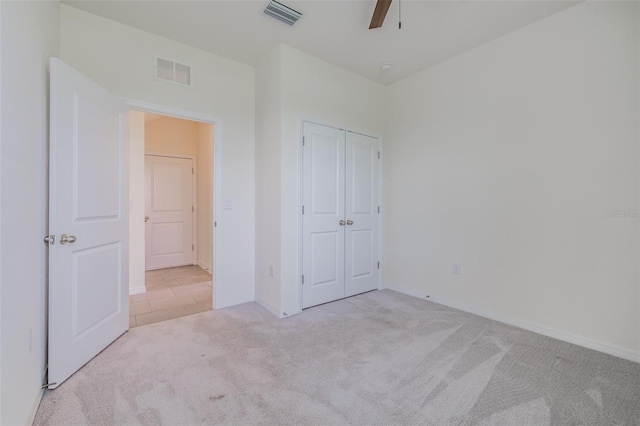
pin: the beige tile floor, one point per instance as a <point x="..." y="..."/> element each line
<point x="171" y="293"/>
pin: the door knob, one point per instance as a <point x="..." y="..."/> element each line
<point x="349" y="222"/>
<point x="146" y="218"/>
<point x="67" y="239"/>
<point x="342" y="223"/>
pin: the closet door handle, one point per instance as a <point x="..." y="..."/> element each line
<point x="342" y="223"/>
<point x="67" y="239"/>
<point x="349" y="222"/>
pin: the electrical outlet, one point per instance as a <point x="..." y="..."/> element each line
<point x="272" y="274"/>
<point x="30" y="339"/>
<point x="456" y="269"/>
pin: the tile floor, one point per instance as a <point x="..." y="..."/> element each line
<point x="171" y="293"/>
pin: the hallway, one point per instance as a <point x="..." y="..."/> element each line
<point x="171" y="293"/>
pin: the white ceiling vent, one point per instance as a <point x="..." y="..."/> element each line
<point x="282" y="13"/>
<point x="173" y="71"/>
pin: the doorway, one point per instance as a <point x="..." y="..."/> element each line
<point x="172" y="213"/>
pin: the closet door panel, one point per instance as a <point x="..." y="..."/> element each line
<point x="361" y="213"/>
<point x="324" y="203"/>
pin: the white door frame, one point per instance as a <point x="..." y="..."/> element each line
<point x="217" y="174"/>
<point x="194" y="199"/>
<point x="301" y="120"/>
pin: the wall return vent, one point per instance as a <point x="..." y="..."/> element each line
<point x="282" y="12"/>
<point x="173" y="71"/>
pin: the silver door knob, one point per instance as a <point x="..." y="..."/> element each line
<point x="146" y="218"/>
<point x="67" y="239"/>
<point x="349" y="222"/>
<point x="342" y="223"/>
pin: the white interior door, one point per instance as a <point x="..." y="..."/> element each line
<point x="361" y="213"/>
<point x="169" y="209"/>
<point x="323" y="201"/>
<point x="88" y="215"/>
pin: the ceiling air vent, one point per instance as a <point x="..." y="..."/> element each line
<point x="173" y="71"/>
<point x="282" y="13"/>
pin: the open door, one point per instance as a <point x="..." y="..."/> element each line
<point x="88" y="221"/>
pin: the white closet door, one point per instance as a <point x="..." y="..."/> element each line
<point x="361" y="213"/>
<point x="323" y="201"/>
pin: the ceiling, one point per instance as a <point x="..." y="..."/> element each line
<point x="333" y="30"/>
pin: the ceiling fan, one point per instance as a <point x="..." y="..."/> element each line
<point x="380" y="12"/>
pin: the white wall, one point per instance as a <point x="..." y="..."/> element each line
<point x="120" y="58"/>
<point x="29" y="36"/>
<point x="268" y="148"/>
<point x="204" y="212"/>
<point x="136" y="194"/>
<point x="505" y="159"/>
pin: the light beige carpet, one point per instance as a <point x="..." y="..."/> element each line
<point x="378" y="358"/>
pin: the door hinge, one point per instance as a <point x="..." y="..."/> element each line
<point x="193" y="209"/>
<point x="215" y="224"/>
<point x="303" y="279"/>
<point x="192" y="247"/>
<point x="303" y="141"/>
<point x="46" y="385"/>
<point x="378" y="264"/>
<point x="302" y="209"/>
<point x="193" y="170"/>
<point x="378" y="209"/>
<point x="50" y="240"/>
<point x="378" y="155"/>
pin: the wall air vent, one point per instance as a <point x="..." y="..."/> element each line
<point x="282" y="13"/>
<point x="167" y="70"/>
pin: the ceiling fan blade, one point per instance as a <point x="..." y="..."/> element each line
<point x="382" y="7"/>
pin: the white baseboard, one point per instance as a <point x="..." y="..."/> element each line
<point x="137" y="290"/>
<point x="606" y="348"/>
<point x="407" y="291"/>
<point x="268" y="307"/>
<point x="204" y="266"/>
<point x="228" y="303"/>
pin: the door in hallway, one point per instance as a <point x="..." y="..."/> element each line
<point x="168" y="212"/>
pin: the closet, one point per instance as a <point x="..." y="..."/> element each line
<point x="339" y="214"/>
